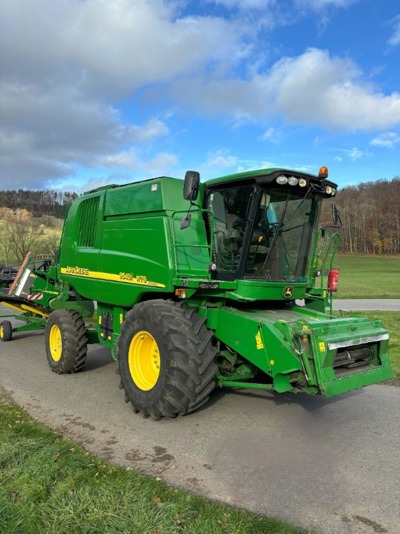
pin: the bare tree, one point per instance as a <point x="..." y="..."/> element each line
<point x="49" y="244"/>
<point x="21" y="237"/>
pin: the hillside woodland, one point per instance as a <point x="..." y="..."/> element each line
<point x="370" y="217"/>
<point x="38" y="203"/>
<point x="31" y="221"/>
<point x="369" y="213"/>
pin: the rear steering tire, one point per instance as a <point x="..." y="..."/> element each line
<point x="66" y="341"/>
<point x="5" y="331"/>
<point x="166" y="359"/>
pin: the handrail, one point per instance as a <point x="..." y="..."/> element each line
<point x="331" y="250"/>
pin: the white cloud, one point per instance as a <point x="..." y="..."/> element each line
<point x="220" y="159"/>
<point x="65" y="62"/>
<point x="245" y="4"/>
<point x="355" y="154"/>
<point x="318" y="5"/>
<point x="352" y="153"/>
<point x="68" y="65"/>
<point x="323" y="8"/>
<point x="118" y="168"/>
<point x="251" y="165"/>
<point x="44" y="135"/>
<point x="386" y="140"/>
<point x="313" y="88"/>
<point x="108" y="48"/>
<point x="131" y="160"/>
<point x="127" y="159"/>
<point x="314" y="5"/>
<point x="394" y="40"/>
<point x="329" y="91"/>
<point x="272" y="135"/>
<point x="153" y="128"/>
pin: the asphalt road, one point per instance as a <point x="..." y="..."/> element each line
<point x="367" y="304"/>
<point x="364" y="304"/>
<point x="329" y="465"/>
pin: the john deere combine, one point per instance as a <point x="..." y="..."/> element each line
<point x="197" y="290"/>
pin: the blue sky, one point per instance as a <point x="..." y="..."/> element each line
<point x="112" y="91"/>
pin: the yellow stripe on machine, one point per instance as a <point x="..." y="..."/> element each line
<point x="127" y="278"/>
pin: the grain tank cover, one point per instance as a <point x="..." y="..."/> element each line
<point x="161" y="196"/>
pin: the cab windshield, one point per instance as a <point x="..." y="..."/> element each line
<point x="263" y="233"/>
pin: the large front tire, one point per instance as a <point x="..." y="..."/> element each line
<point x="166" y="359"/>
<point x="66" y="341"/>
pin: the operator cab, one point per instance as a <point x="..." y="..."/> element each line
<point x="263" y="224"/>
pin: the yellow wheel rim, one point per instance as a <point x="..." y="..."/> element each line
<point x="144" y="360"/>
<point x="1" y="331"/>
<point x="55" y="342"/>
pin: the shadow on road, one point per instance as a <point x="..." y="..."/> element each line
<point x="98" y="357"/>
<point x="310" y="403"/>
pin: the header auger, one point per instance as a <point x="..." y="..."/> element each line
<point x="196" y="290"/>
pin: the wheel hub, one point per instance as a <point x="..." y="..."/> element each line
<point x="55" y="343"/>
<point x="144" y="360"/>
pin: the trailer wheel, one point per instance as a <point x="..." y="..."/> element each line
<point x="66" y="341"/>
<point x="166" y="359"/>
<point x="5" y="331"/>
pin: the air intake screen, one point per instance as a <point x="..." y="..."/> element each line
<point x="87" y="222"/>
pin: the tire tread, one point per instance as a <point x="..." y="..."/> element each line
<point x="75" y="341"/>
<point x="189" y="358"/>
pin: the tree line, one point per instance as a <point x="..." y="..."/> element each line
<point x="38" y="203"/>
<point x="370" y="217"/>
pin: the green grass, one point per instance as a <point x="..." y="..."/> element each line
<point x="51" y="485"/>
<point x="368" y="277"/>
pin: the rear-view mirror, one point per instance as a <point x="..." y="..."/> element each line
<point x="191" y="185"/>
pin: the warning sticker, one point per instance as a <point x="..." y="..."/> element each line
<point x="259" y="343"/>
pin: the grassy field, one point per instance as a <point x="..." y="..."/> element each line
<point x="54" y="486"/>
<point x="368" y="277"/>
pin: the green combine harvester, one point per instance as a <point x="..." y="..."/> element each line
<point x="196" y="290"/>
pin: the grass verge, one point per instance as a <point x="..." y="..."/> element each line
<point x="48" y="484"/>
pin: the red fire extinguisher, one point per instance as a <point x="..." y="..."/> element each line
<point x="333" y="279"/>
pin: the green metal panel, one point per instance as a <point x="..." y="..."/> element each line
<point x="240" y="176"/>
<point x="288" y="344"/>
<point x="135" y="258"/>
<point x="193" y="253"/>
<point x="160" y="194"/>
<point x="79" y="254"/>
<point x="255" y="334"/>
<point x="356" y="381"/>
<point x="348" y="333"/>
<point x="255" y="290"/>
<point x="128" y="249"/>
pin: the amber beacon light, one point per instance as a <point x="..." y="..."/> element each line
<point x="323" y="173"/>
